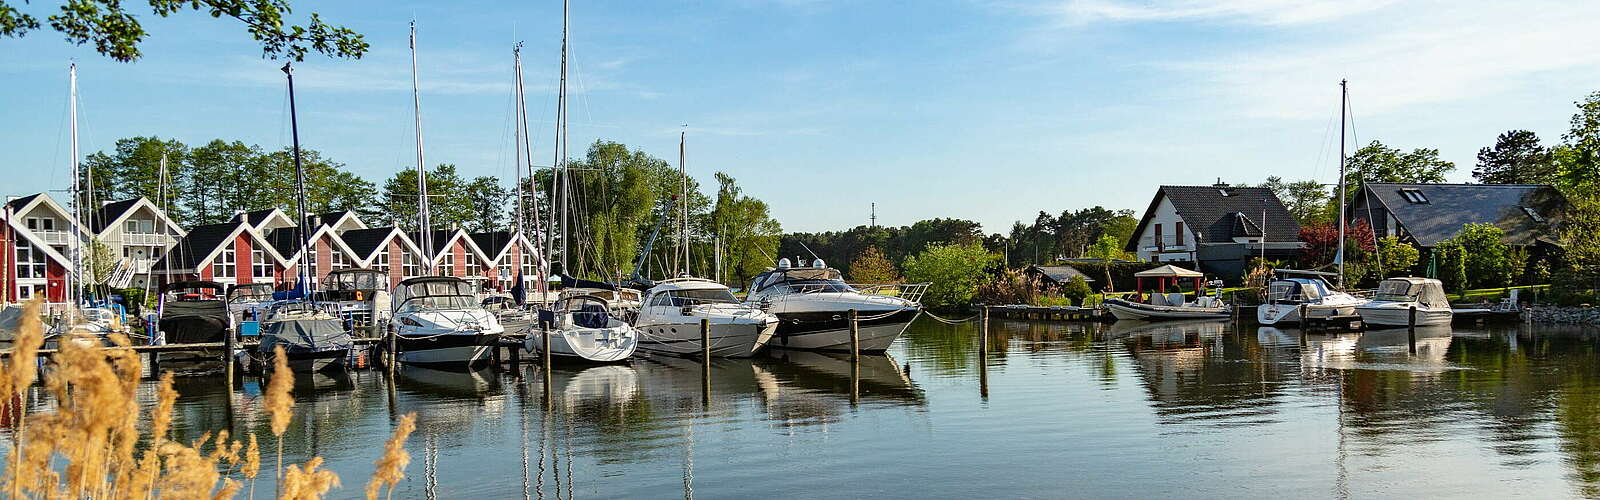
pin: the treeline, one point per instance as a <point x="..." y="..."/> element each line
<point x="617" y="196"/>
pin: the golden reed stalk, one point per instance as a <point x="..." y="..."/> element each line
<point x="88" y="446"/>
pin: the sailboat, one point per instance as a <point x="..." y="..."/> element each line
<point x="438" y="319"/>
<point x="670" y="315"/>
<point x="1297" y="291"/>
<point x="578" y="325"/>
<point x="87" y="322"/>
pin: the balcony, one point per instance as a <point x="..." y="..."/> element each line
<point x="52" y="237"/>
<point x="144" y="239"/>
<point x="1166" y="243"/>
<point x="140" y="266"/>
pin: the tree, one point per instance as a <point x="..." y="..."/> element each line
<point x="130" y="170"/>
<point x="1307" y="200"/>
<point x="1322" y="243"/>
<point x="1580" y="233"/>
<point x="1486" y="257"/>
<point x="1516" y="158"/>
<point x="116" y="33"/>
<point x="873" y="267"/>
<point x="488" y="200"/>
<point x="1377" y="162"/>
<point x="954" y="272"/>
<point x="448" y="201"/>
<point x="612" y="197"/>
<point x="1108" y="248"/>
<point x="1394" y="257"/>
<point x="1579" y="158"/>
<point x="745" y="229"/>
<point x="1452" y="264"/>
<point x="1077" y="289"/>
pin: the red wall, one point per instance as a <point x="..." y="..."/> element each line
<point x="396" y="272"/>
<point x="242" y="269"/>
<point x="55" y="276"/>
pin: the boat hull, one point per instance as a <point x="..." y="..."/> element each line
<point x="728" y="340"/>
<point x="1401" y="316"/>
<point x="598" y="345"/>
<point x="830" y="330"/>
<point x="455" y="348"/>
<point x="316" y="361"/>
<point x="1289" y="314"/>
<point x="1134" y="311"/>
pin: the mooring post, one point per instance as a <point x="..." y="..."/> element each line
<point x="705" y="340"/>
<point x="393" y="350"/>
<point x="855" y="335"/>
<point x="983" y="353"/>
<point x="1411" y="329"/>
<point x="155" y="364"/>
<point x="228" y="343"/>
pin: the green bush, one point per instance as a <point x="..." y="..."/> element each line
<point x="954" y="272"/>
<point x="1452" y="265"/>
<point x="1488" y="260"/>
<point x="1076" y="290"/>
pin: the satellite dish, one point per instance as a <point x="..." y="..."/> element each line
<point x="783" y="263"/>
<point x="819" y="264"/>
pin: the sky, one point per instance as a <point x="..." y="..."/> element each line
<point x="975" y="109"/>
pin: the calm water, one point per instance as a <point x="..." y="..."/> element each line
<point x="1058" y="410"/>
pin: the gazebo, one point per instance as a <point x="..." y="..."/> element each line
<point x="1167" y="273"/>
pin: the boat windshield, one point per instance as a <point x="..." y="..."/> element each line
<point x="804" y="281"/>
<point x="358" y="280"/>
<point x="438" y="295"/>
<point x="680" y="298"/>
<point x="1397" y="291"/>
<point x="251" y="293"/>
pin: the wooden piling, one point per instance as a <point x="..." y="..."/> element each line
<point x="393" y="350"/>
<point x="229" y="340"/>
<point x="1411" y="329"/>
<point x="705" y="340"/>
<point x="855" y="335"/>
<point x="544" y="339"/>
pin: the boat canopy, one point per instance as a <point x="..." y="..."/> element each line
<point x="1296" y="289"/>
<point x="357" y="279"/>
<point x="803" y="280"/>
<point x="1427" y="292"/>
<point x="433" y="292"/>
<point x="253" y="292"/>
<point x="1168" y="271"/>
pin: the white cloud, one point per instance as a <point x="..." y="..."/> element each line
<point x="1269" y="12"/>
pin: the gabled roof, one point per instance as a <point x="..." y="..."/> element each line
<point x="365" y="243"/>
<point x="18" y="204"/>
<point x="286" y="240"/>
<point x="203" y="243"/>
<point x="495" y="244"/>
<point x="259" y="219"/>
<point x="111" y="214"/>
<point x="338" y="218"/>
<point x="1244" y="227"/>
<point x="21" y="231"/>
<point x="1444" y="208"/>
<point x="1059" y="274"/>
<point x="443" y="238"/>
<point x="1212" y="213"/>
<point x="23" y="205"/>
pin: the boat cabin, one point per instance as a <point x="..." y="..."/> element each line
<point x="1427" y="292"/>
<point x="433" y="292"/>
<point x="686" y="292"/>
<point x="816" y="278"/>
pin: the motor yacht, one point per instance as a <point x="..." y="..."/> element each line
<point x="812" y="304"/>
<point x="438" y="320"/>
<point x="1310" y="291"/>
<point x="584" y="327"/>
<point x="1392" y="305"/>
<point x="669" y="320"/>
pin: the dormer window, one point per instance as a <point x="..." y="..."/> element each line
<point x="1413" y="195"/>
<point x="1224" y="192"/>
<point x="1533" y="214"/>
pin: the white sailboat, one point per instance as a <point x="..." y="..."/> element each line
<point x="82" y="319"/>
<point x="578" y="326"/>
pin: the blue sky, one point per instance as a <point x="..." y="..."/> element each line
<point x="985" y="110"/>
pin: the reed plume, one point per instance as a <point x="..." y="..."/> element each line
<point x="391" y="467"/>
<point x="279" y="401"/>
<point x="308" y="483"/>
<point x="252" y="464"/>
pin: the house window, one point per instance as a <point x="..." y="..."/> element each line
<point x="1177" y="233"/>
<point x="1533" y="214"/>
<point x="1413" y="195"/>
<point x="132" y="227"/>
<point x="382" y="262"/>
<point x="473" y="268"/>
<point x="527" y="264"/>
<point x="340" y="260"/>
<point x="408" y="265"/>
<point x="30" y="261"/>
<point x="41" y="224"/>
<point x="1159" y="243"/>
<point x="448" y="264"/>
<point x="224" y="266"/>
<point x="262" y="268"/>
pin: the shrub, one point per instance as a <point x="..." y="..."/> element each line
<point x="1452" y="265"/>
<point x="1009" y="287"/>
<point x="1486" y="257"/>
<point x="1395" y="257"/>
<point x="1076" y="290"/>
<point x="873" y="267"/>
<point x="954" y="272"/>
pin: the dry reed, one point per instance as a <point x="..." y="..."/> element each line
<point x="391" y="466"/>
<point x="89" y="445"/>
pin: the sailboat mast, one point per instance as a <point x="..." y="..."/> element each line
<point x="517" y="137"/>
<point x="73" y="293"/>
<point x="683" y="213"/>
<point x="559" y="168"/>
<point x="424" y="226"/>
<point x="299" y="190"/>
<point x="532" y="208"/>
<point x="1344" y="98"/>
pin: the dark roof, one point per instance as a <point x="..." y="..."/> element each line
<point x="1059" y="274"/>
<point x="441" y="239"/>
<point x="328" y="219"/>
<point x="109" y="212"/>
<point x="196" y="245"/>
<point x="286" y="240"/>
<point x="18" y="203"/>
<point x="256" y="217"/>
<point x="1213" y="212"/>
<point x="364" y="242"/>
<point x="1448" y="206"/>
<point x="492" y="242"/>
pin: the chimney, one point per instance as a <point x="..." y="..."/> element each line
<point x="1220" y="184"/>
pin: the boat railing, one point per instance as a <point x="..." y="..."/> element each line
<point x="909" y="291"/>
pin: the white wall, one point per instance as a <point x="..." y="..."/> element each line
<point x="1167" y="216"/>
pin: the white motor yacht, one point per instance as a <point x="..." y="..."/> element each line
<point x="438" y="320"/>
<point x="1397" y="296"/>
<point x="813" y="303"/>
<point x="584" y="327"/>
<point x="669" y="322"/>
<point x="1294" y="290"/>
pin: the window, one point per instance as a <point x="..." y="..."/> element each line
<point x="381" y="263"/>
<point x="1413" y="195"/>
<point x="1533" y="214"/>
<point x="1159" y="243"/>
<point x="1177" y="233"/>
<point x="311" y="261"/>
<point x="340" y="260"/>
<point x="224" y="267"/>
<point x="408" y="265"/>
<point x="447" y="265"/>
<point x="30" y="261"/>
<point x="528" y="264"/>
<point x="473" y="268"/>
<point x="132" y="227"/>
<point x="262" y="268"/>
<point x="41" y="224"/>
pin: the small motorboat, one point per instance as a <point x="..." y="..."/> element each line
<point x="313" y="338"/>
<point x="1396" y="297"/>
<point x="438" y="320"/>
<point x="1307" y="290"/>
<point x="1168" y="306"/>
<point x="194" y="312"/>
<point x="669" y="322"/>
<point x="584" y="327"/>
<point x="361" y="296"/>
